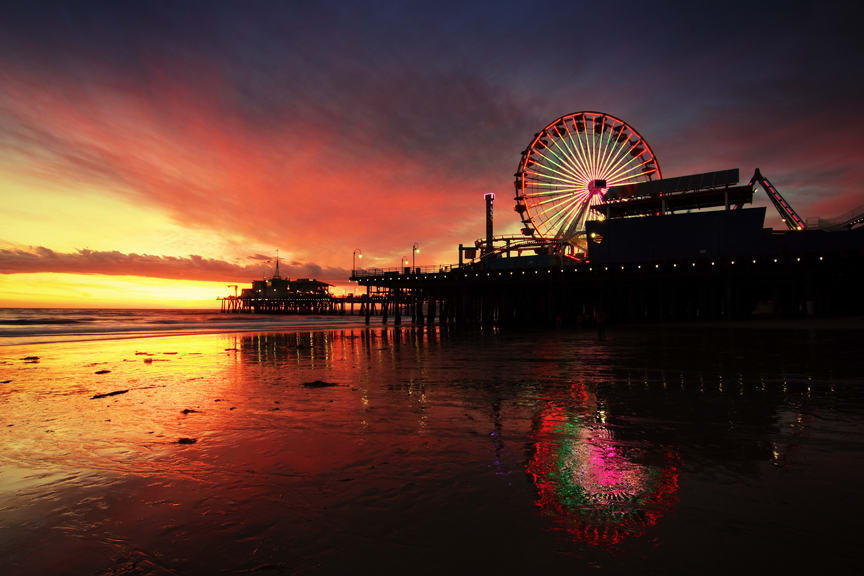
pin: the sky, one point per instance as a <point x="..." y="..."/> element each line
<point x="151" y="153"/>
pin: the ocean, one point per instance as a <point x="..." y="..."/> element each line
<point x="41" y="325"/>
<point x="236" y="445"/>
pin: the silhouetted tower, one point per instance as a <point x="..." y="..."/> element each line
<point x="490" y="197"/>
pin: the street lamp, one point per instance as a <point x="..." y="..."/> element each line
<point x="415" y="249"/>
<point x="357" y="253"/>
<point x="405" y="262"/>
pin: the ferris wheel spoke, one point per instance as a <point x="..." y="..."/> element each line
<point x="534" y="193"/>
<point x="567" y="171"/>
<point x="600" y="145"/>
<point x="568" y="168"/>
<point x="547" y="179"/>
<point x="618" y="155"/>
<point x="537" y="201"/>
<point x="562" y="176"/>
<point x="537" y="177"/>
<point x="576" y="222"/>
<point x="622" y="171"/>
<point x="625" y="155"/>
<point x="565" y="220"/>
<point x="613" y="147"/>
<point x="550" y="212"/>
<point x="598" y="142"/>
<point x="618" y="167"/>
<point x="636" y="176"/>
<point x="586" y="141"/>
<point x="563" y="211"/>
<point x="593" y="142"/>
<point x="626" y="175"/>
<point x="534" y="188"/>
<point x="578" y="150"/>
<point x="563" y="198"/>
<point x="573" y="156"/>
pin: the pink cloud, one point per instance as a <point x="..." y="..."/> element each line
<point x="40" y="259"/>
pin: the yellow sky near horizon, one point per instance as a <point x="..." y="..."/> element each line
<point x="53" y="290"/>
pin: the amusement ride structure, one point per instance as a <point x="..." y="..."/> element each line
<point x="590" y="166"/>
<point x="567" y="169"/>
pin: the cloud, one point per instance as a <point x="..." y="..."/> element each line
<point x="320" y="128"/>
<point x="17" y="260"/>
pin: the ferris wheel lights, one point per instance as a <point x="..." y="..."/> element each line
<point x="754" y="261"/>
<point x="798" y="259"/>
<point x="656" y="266"/>
<point x="775" y="260"/>
<point x="820" y="258"/>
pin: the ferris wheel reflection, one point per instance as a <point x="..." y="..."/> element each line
<point x="595" y="485"/>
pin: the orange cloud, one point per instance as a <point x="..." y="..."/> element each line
<point x="193" y="267"/>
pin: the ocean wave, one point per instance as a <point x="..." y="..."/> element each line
<point x="16" y="331"/>
<point x="40" y="321"/>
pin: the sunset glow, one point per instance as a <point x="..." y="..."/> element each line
<point x="227" y="146"/>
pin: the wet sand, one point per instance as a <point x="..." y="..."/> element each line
<point x="389" y="451"/>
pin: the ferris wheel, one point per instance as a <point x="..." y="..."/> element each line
<point x="568" y="167"/>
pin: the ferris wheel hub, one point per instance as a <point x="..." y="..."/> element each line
<point x="597" y="186"/>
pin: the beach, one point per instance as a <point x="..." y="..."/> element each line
<point x="336" y="449"/>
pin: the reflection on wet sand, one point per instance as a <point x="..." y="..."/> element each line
<point x="552" y="449"/>
<point x="600" y="488"/>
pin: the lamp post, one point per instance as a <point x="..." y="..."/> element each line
<point x="415" y="249"/>
<point x="404" y="263"/>
<point x="354" y="256"/>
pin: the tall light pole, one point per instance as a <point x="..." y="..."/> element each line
<point x="354" y="256"/>
<point x="415" y="249"/>
<point x="404" y="262"/>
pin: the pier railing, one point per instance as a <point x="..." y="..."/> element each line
<point x="406" y="270"/>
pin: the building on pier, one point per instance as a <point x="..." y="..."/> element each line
<point x="279" y="294"/>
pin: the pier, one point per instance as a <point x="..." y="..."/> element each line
<point x="651" y="252"/>
<point x="606" y="239"/>
<point x="586" y="294"/>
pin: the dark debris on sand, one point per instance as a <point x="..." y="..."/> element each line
<point x="107" y="394"/>
<point x="5" y="381"/>
<point x="319" y="384"/>
<point x="30" y="358"/>
<point x="102" y="372"/>
<point x="187" y="441"/>
<point x="189" y="411"/>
